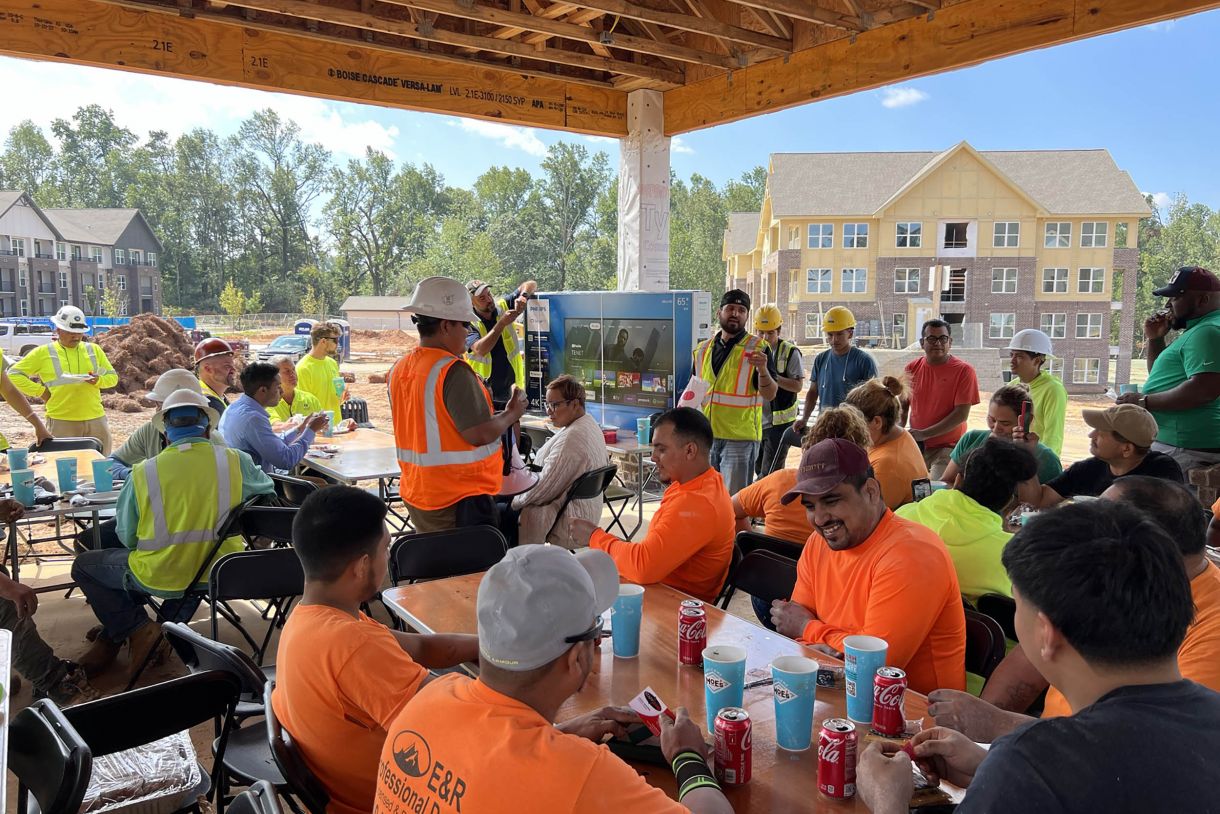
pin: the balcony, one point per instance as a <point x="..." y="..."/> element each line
<point x="41" y="263"/>
<point x="44" y="256"/>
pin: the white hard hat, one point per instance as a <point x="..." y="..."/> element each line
<point x="185" y="398"/>
<point x="171" y="381"/>
<point x="441" y="298"/>
<point x="1031" y="340"/>
<point x="71" y="319"/>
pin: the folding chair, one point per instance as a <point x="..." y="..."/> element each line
<point x="258" y="799"/>
<point x="984" y="643"/>
<point x="298" y="779"/>
<point x="537" y="437"/>
<point x="1002" y="609"/>
<point x="448" y="553"/>
<point x="273" y="574"/>
<point x="271" y="522"/>
<point x="622" y="496"/>
<point x="139" y="717"/>
<point x="588" y="486"/>
<point x="763" y="574"/>
<point x="726" y="589"/>
<point x="293" y="491"/>
<point x="66" y="445"/>
<point x="754" y="541"/>
<point x="51" y="760"/>
<point x="790" y="438"/>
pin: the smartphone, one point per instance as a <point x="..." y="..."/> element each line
<point x="1027" y="415"/>
<point x="921" y="488"/>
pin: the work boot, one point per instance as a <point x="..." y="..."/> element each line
<point x="92" y="633"/>
<point x="73" y="688"/>
<point x="144" y="641"/>
<point x="100" y="655"/>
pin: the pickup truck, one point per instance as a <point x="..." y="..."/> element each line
<point x="18" y="340"/>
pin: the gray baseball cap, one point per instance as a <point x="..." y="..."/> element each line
<point x="537" y="596"/>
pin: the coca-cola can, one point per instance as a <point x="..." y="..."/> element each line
<point x="889" y="687"/>
<point x="691" y="603"/>
<point x="837" y="758"/>
<point x="692" y="634"/>
<point x="732" y="746"/>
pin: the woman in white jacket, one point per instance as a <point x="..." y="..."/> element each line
<point x="575" y="449"/>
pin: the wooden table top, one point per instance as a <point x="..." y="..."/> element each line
<point x="84" y="464"/>
<point x="782" y="781"/>
<point x="364" y="454"/>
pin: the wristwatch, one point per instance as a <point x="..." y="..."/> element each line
<point x="1144" y="400"/>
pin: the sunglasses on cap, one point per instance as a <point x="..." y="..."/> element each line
<point x="592" y="634"/>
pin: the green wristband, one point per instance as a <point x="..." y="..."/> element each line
<point x="700" y="782"/>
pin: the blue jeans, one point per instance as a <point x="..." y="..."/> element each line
<point x="116" y="597"/>
<point x="735" y="460"/>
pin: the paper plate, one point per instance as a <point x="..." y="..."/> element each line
<point x="103" y="497"/>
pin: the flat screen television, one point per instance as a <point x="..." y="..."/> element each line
<point x="628" y="362"/>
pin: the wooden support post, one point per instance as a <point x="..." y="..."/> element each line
<point x="643" y="196"/>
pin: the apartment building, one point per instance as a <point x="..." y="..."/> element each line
<point x="991" y="242"/>
<point x="55" y="257"/>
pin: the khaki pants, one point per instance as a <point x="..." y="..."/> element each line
<point x="93" y="428"/>
<point x="936" y="461"/>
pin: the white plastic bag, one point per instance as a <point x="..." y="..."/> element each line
<point x="696" y="393"/>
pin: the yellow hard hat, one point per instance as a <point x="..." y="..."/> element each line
<point x="768" y="318"/>
<point x="838" y="319"/>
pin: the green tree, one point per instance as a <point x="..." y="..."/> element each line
<point x="515" y="217"/>
<point x="746" y="194"/>
<point x="94" y="156"/>
<point x="29" y="163"/>
<point x="111" y="303"/>
<point x="696" y="235"/>
<point x="571" y="184"/>
<point x="459" y="252"/>
<point x="313" y="304"/>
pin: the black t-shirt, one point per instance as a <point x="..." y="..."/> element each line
<point x="1137" y="749"/>
<point x="1092" y="476"/>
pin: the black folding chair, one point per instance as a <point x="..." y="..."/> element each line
<point x="589" y="486"/>
<point x="272" y="522"/>
<point x="272" y="574"/>
<point x="984" y="643"/>
<point x="449" y="553"/>
<point x="754" y="541"/>
<point x="139" y="717"/>
<point x="1002" y="609"/>
<point x="726" y="590"/>
<point x="66" y="445"/>
<point x="537" y="437"/>
<point x="51" y="760"/>
<point x="298" y="779"/>
<point x="763" y="574"/>
<point x="293" y="491"/>
<point x="258" y="799"/>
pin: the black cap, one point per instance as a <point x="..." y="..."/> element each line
<point x="1188" y="278"/>
<point x="735" y="297"/>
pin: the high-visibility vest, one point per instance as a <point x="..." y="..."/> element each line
<point x="481" y="365"/>
<point x="183" y="497"/>
<point x="783" y="406"/>
<point x="735" y="405"/>
<point x="439" y="467"/>
<point x="70" y="400"/>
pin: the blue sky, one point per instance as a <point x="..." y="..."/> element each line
<point x="1148" y="95"/>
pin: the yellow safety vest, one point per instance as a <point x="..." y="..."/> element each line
<point x="173" y="536"/>
<point x="735" y="405"/>
<point x="70" y="400"/>
<point x="512" y="349"/>
<point x="783" y="414"/>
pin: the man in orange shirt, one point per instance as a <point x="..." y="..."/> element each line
<point x="866" y="571"/>
<point x="341" y="677"/>
<point x="1015" y="684"/>
<point x="485" y="745"/>
<point x="689" y="544"/>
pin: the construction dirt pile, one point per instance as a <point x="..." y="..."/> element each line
<point x="139" y="352"/>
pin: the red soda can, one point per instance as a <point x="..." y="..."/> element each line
<point x="692" y="634"/>
<point x="889" y="687"/>
<point x="691" y="603"/>
<point x="732" y="746"/>
<point x="837" y="758"/>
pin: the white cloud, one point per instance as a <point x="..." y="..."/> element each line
<point x="509" y="135"/>
<point x="677" y="145"/>
<point x="901" y="97"/>
<point x="1162" y="200"/>
<point x="601" y="140"/>
<point x="1163" y="26"/>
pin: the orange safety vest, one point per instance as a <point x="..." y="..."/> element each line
<point x="439" y="466"/>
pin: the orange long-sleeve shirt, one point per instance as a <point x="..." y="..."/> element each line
<point x="689" y="544"/>
<point x="900" y="585"/>
<point x="1199" y="655"/>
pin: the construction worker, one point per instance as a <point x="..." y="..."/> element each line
<point x="494" y="351"/>
<point x="837" y="369"/>
<point x="740" y="371"/>
<point x="70" y="375"/>
<point x="1027" y="353"/>
<point x="217" y="371"/>
<point x="780" y="412"/>
<point x="16" y="399"/>
<point x="167" y="517"/>
<point x="448" y="438"/>
<point x="318" y="372"/>
<point x="294" y="400"/>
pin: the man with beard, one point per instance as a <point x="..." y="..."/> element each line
<point x="689" y="544"/>
<point x="1183" y="387"/>
<point x="740" y="371"/>
<point x="217" y="371"/>
<point x="342" y="677"/>
<point x="866" y="571"/>
<point x="943" y="389"/>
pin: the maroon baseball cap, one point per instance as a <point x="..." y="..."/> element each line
<point x="824" y="466"/>
<point x="1188" y="278"/>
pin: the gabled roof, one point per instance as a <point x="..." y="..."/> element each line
<point x="940" y="160"/>
<point x="101" y="227"/>
<point x="9" y="199"/>
<point x="374" y="303"/>
<point x="741" y="233"/>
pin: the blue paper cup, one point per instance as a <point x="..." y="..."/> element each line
<point x="643" y="431"/>
<point x="330" y="424"/>
<point x="339" y="385"/>
<point x="18" y="458"/>
<point x="626" y="614"/>
<point x="65" y="469"/>
<point x="23" y="486"/>
<point x="1128" y="388"/>
<point x="862" y="655"/>
<point x="724" y="679"/>
<point x="795" y="681"/>
<point x="103" y="481"/>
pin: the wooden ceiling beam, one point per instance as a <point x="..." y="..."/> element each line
<point x="689" y="22"/>
<point x="808" y="11"/>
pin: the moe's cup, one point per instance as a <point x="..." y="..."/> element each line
<point x="1128" y="388"/>
<point x="724" y="679"/>
<point x="643" y="431"/>
<point x="23" y="486"/>
<point x="18" y="458"/>
<point x="794" y="685"/>
<point x="339" y="385"/>
<point x="862" y="655"/>
<point x="329" y="430"/>
<point x="103" y="481"/>
<point x="626" y="614"/>
<point x="65" y="469"/>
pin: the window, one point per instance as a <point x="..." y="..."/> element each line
<point x="25" y="308"/>
<point x="123" y="308"/>
<point x="1094" y="235"/>
<point x="1054" y="281"/>
<point x="817" y="281"/>
<point x="6" y="280"/>
<point x="910" y="236"/>
<point x="23" y="279"/>
<point x="120" y="257"/>
<point x="1054" y="366"/>
<point x="855" y="235"/>
<point x="813" y="325"/>
<point x="956" y="292"/>
<point x="906" y="281"/>
<point x="900" y="330"/>
<point x="1002" y="326"/>
<point x="39" y="250"/>
<point x="63" y="279"/>
<point x="135" y="257"/>
<point x="821" y="235"/>
<point x="1092" y="281"/>
<point x="77" y="254"/>
<point x="101" y="280"/>
<point x="1086" y="371"/>
<point x="63" y="303"/>
<point x="1007" y="234"/>
<point x="794" y="241"/>
<point x="61" y="251"/>
<point x="854" y="281"/>
<point x="1088" y="326"/>
<point x="1058" y="235"/>
<point x="18" y="248"/>
<point x="1004" y="281"/>
<point x="956" y="236"/>
<point x="151" y="258"/>
<point x="96" y="253"/>
<point x="1055" y="325"/>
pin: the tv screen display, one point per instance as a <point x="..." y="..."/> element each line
<point x="628" y="362"/>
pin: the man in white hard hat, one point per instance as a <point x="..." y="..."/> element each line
<point x="167" y="517"/>
<point x="493" y="350"/>
<point x="69" y="375"/>
<point x="447" y="435"/>
<point x="837" y="369"/>
<point x="1027" y="353"/>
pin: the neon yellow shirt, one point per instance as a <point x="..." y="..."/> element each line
<point x="70" y="400"/>
<point x="303" y="403"/>
<point x="317" y="376"/>
<point x="974" y="536"/>
<point x="1050" y="400"/>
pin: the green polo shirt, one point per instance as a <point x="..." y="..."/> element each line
<point x="1050" y="408"/>
<point x="1196" y="350"/>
